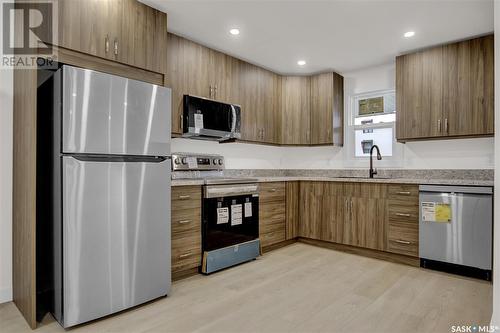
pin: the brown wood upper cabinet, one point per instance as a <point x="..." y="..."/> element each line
<point x="327" y="105"/>
<point x="446" y="91"/>
<point x="126" y="31"/>
<point x="296" y="110"/>
<point x="275" y="109"/>
<point x="312" y="109"/>
<point x="259" y="97"/>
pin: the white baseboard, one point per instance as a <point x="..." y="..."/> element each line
<point x="5" y="295"/>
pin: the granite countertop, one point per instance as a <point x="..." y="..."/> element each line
<point x="420" y="181"/>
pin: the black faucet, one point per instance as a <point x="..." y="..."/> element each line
<point x="379" y="157"/>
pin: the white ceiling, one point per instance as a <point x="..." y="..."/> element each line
<point x="338" y="35"/>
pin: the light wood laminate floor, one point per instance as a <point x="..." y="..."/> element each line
<point x="300" y="288"/>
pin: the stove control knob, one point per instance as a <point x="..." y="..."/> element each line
<point x="184" y="160"/>
<point x="220" y="161"/>
<point x="177" y="161"/>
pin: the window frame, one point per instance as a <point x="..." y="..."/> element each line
<point x="396" y="160"/>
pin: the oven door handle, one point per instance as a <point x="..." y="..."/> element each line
<point x="219" y="191"/>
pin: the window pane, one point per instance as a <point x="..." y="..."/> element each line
<point x="382" y="137"/>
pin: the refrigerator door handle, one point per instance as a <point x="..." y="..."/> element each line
<point x="118" y="158"/>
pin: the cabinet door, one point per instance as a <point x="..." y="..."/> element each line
<point x="143" y="39"/>
<point x="470" y="110"/>
<point x="295" y="104"/>
<point x="268" y="106"/>
<point x="90" y="26"/>
<point x="249" y="79"/>
<point x="364" y="224"/>
<point x="334" y="204"/>
<point x="419" y="91"/>
<point x="187" y="74"/>
<point x="311" y="194"/>
<point x="327" y="106"/>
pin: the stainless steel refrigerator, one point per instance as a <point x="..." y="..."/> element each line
<point x="110" y="193"/>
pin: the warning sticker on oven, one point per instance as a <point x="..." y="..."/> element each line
<point x="192" y="162"/>
<point x="248" y="209"/>
<point x="236" y="214"/>
<point x="222" y="215"/>
<point x="436" y="212"/>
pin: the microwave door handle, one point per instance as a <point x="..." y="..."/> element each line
<point x="233" y="124"/>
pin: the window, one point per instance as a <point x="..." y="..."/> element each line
<point x="372" y="122"/>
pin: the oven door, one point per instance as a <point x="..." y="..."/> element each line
<point x="230" y="220"/>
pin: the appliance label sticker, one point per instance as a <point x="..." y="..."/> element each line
<point x="248" y="209"/>
<point x="236" y="214"/>
<point x="443" y="212"/>
<point x="198" y="122"/>
<point x="192" y="162"/>
<point x="428" y="211"/>
<point x="222" y="215"/>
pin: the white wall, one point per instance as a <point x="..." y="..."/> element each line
<point x="6" y="185"/>
<point x="495" y="320"/>
<point x="444" y="154"/>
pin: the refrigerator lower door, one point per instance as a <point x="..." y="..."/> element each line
<point x="116" y="236"/>
<point x="467" y="238"/>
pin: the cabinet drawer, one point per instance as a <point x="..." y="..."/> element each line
<point x="271" y="212"/>
<point x="270" y="192"/>
<point x="405" y="193"/>
<point x="186" y="197"/>
<point x="186" y="221"/>
<point x="186" y="252"/>
<point x="399" y="212"/>
<point x="403" y="238"/>
<point x="272" y="237"/>
<point x="271" y="226"/>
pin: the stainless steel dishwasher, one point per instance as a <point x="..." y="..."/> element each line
<point x="456" y="229"/>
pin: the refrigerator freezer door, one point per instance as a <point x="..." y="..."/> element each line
<point x="116" y="236"/>
<point x="108" y="114"/>
<point x="467" y="238"/>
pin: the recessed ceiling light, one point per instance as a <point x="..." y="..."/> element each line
<point x="409" y="34"/>
<point x="234" y="31"/>
<point x="301" y="62"/>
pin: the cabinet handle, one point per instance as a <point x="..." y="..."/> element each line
<point x="404" y="192"/>
<point x="403" y="214"/>
<point x="184" y="221"/>
<point x="116" y="46"/>
<point x="106" y="44"/>
<point x="184" y="197"/>
<point x="273" y="190"/>
<point x="215" y="89"/>
<point x="351" y="209"/>
<point x="439" y="125"/>
<point x="402" y="242"/>
<point x="182" y="120"/>
<point x="185" y="255"/>
<point x="446" y="125"/>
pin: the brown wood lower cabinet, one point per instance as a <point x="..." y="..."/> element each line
<point x="364" y="225"/>
<point x="375" y="216"/>
<point x="272" y="205"/>
<point x="402" y="223"/>
<point x="186" y="228"/>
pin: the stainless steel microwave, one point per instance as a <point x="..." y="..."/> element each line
<point x="207" y="119"/>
